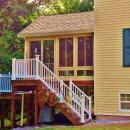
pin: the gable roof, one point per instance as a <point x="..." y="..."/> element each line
<point x="60" y="24"/>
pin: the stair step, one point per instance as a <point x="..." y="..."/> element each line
<point x="64" y="106"/>
<point x="73" y="114"/>
<point x="74" y="119"/>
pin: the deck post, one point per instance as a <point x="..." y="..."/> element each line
<point x="13" y="109"/>
<point x="3" y="114"/>
<point x="13" y="68"/>
<point x="90" y="107"/>
<point x="70" y="86"/>
<point x="37" y="66"/>
<point x="82" y="108"/>
<point x="22" y="109"/>
<point x="61" y="90"/>
<point x="35" y="107"/>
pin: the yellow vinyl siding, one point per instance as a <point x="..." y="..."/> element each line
<point x="110" y="76"/>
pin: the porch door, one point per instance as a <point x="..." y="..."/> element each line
<point x="48" y="53"/>
<point x="35" y="49"/>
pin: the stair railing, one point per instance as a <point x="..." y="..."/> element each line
<point x="71" y="95"/>
<point x="24" y="68"/>
<point x="56" y="85"/>
<point x="50" y="66"/>
<point x="86" y="100"/>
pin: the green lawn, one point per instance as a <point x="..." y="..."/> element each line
<point x="92" y="127"/>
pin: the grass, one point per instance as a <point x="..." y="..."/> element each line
<point x="89" y="127"/>
<point x="92" y="127"/>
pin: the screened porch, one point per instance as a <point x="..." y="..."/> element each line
<point x="70" y="57"/>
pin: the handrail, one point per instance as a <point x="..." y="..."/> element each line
<point x="77" y="100"/>
<point x="54" y="83"/>
<point x="50" y="66"/>
<point x="81" y="94"/>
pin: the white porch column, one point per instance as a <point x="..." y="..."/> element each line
<point x="61" y="87"/>
<point x="37" y="66"/>
<point x="90" y="107"/>
<point x="82" y="108"/>
<point x="70" y="86"/>
<point x="14" y="68"/>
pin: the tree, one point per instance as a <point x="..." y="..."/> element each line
<point x="10" y="46"/>
<point x="11" y="12"/>
<point x="12" y="15"/>
<point x="67" y="6"/>
<point x="17" y="14"/>
<point x="86" y="5"/>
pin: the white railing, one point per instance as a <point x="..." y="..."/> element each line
<point x="86" y="100"/>
<point x="60" y="88"/>
<point x="71" y="95"/>
<point x="50" y="66"/>
<point x="5" y="83"/>
<point x="23" y="68"/>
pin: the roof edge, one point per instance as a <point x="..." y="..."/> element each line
<point x="20" y="35"/>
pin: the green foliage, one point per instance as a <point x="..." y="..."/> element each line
<point x="11" y="11"/>
<point x="17" y="14"/>
<point x="67" y="6"/>
<point x="14" y="16"/>
<point x="86" y="5"/>
<point x="10" y="46"/>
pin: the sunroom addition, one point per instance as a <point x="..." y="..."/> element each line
<point x="68" y="56"/>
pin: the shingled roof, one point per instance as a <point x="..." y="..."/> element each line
<point x="60" y="24"/>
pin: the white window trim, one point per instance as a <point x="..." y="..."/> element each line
<point x="119" y="102"/>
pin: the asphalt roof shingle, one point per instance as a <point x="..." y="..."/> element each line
<point x="60" y="24"/>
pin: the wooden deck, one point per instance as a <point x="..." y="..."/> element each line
<point x="36" y="94"/>
<point x="30" y="90"/>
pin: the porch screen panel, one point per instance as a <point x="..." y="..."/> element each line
<point x="85" y="51"/>
<point x="62" y="52"/>
<point x="35" y="48"/>
<point x="66" y="52"/>
<point x="89" y="51"/>
<point x="48" y="51"/>
<point x="81" y="54"/>
<point x="69" y="52"/>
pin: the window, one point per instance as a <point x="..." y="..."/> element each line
<point x="126" y="47"/>
<point x="85" y="51"/>
<point x="66" y="52"/>
<point x="48" y="51"/>
<point x="124" y="102"/>
<point x="85" y="72"/>
<point x="35" y="48"/>
<point x="66" y="73"/>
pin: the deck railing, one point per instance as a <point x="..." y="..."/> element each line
<point x="78" y="101"/>
<point x="5" y="83"/>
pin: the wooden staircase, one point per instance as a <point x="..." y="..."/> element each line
<point x="52" y="101"/>
<point x="69" y="99"/>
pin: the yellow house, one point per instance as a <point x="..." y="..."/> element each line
<point x="112" y="59"/>
<point x="65" y="45"/>
<point x="66" y="55"/>
<point x="58" y="65"/>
